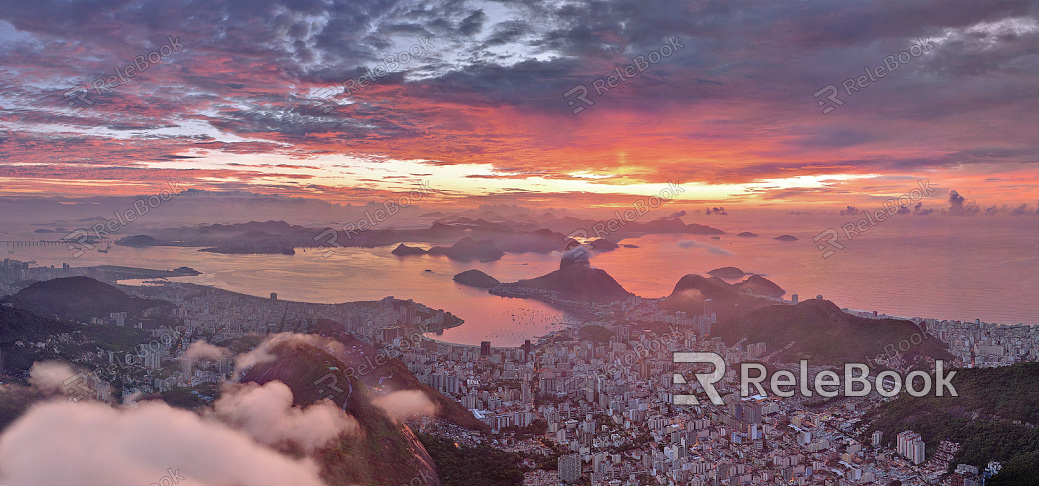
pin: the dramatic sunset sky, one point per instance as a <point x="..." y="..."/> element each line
<point x="481" y="114"/>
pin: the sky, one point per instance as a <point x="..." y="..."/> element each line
<point x="479" y="99"/>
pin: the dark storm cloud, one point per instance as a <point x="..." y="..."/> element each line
<point x="472" y="24"/>
<point x="747" y="72"/>
<point x="321" y="43"/>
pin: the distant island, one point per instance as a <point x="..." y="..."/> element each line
<point x="476" y="278"/>
<point x="467" y="249"/>
<point x="544" y="235"/>
<point x="575" y="280"/>
<point x="403" y="249"/>
<point x="727" y="272"/>
<point x="140" y="241"/>
<point x="116" y="272"/>
<point x="603" y="245"/>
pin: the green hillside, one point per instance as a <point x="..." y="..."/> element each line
<point x="80" y="298"/>
<point x="822" y="333"/>
<point x="994" y="418"/>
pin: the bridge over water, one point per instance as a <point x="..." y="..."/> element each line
<point x="24" y="243"/>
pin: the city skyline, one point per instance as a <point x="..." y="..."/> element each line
<point x="519" y="243"/>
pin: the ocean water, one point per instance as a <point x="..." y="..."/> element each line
<point x="353" y="274"/>
<point x="943" y="267"/>
<point x="909" y="266"/>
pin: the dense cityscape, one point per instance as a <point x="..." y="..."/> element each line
<point x="508" y="243"/>
<point x="601" y="407"/>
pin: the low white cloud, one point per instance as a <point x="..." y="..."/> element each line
<point x="710" y="248"/>
<point x="262" y="353"/>
<point x="93" y="444"/>
<point x="50" y="377"/>
<point x="266" y="413"/>
<point x="203" y="350"/>
<point x="406" y="404"/>
<point x="200" y="350"/>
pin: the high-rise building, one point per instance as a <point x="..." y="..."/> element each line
<point x="918" y="455"/>
<point x="485" y="348"/>
<point x="599" y="462"/>
<point x="754" y="432"/>
<point x="708" y="307"/>
<point x="902" y="439"/>
<point x="153" y="359"/>
<point x="274" y="296"/>
<point x="569" y="468"/>
<point x="878" y="437"/>
<point x="793" y="298"/>
<point x="911" y="446"/>
<point x="756" y="350"/>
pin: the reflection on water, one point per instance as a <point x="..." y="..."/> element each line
<point x="353" y="274"/>
<point x="912" y="266"/>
